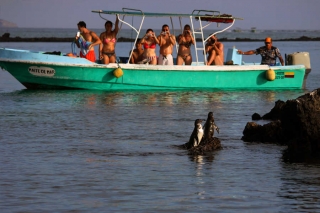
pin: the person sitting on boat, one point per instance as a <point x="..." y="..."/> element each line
<point x="214" y="48"/>
<point x="137" y="54"/>
<point x="268" y="53"/>
<point x="185" y="40"/>
<point x="107" y="47"/>
<point x="86" y="42"/>
<point x="166" y="42"/>
<point x="149" y="42"/>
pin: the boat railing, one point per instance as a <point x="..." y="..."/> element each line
<point x="132" y="27"/>
<point x="199" y="12"/>
<point x="194" y="32"/>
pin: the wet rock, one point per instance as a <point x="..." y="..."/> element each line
<point x="296" y="123"/>
<point x="268" y="133"/>
<point x="206" y="146"/>
<point x="255" y="116"/>
<point x="275" y="112"/>
<point x="6" y="35"/>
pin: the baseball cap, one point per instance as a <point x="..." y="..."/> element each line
<point x="268" y="39"/>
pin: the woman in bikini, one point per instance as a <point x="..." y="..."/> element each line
<point x="185" y="40"/>
<point x="107" y="47"/>
<point x="149" y="42"/>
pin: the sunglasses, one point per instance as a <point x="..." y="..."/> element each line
<point x="267" y="42"/>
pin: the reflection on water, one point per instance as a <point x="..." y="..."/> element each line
<point x="150" y="98"/>
<point x="164" y="98"/>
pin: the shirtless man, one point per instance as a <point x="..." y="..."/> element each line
<point x="166" y="42"/>
<point x="86" y="42"/>
<point x="214" y="48"/>
<point x="137" y="54"/>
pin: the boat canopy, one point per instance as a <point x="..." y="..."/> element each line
<point x="195" y="13"/>
<point x="199" y="15"/>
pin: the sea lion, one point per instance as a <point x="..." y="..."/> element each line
<point x="210" y="126"/>
<point x="197" y="134"/>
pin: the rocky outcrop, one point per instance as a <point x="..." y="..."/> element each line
<point x="295" y="123"/>
<point x="206" y="146"/>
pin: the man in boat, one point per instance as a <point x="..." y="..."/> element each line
<point x="137" y="54"/>
<point x="86" y="42"/>
<point x="166" y="43"/>
<point x="214" y="48"/>
<point x="268" y="53"/>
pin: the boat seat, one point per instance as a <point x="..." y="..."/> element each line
<point x="232" y="55"/>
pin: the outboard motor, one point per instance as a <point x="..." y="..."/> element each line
<point x="297" y="58"/>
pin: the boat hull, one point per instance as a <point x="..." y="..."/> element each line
<point x="73" y="74"/>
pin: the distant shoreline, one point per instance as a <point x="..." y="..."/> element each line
<point x="122" y="39"/>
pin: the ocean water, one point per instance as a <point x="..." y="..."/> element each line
<point x="97" y="151"/>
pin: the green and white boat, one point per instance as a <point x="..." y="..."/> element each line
<point x="44" y="71"/>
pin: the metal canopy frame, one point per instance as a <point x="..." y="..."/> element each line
<point x="196" y="14"/>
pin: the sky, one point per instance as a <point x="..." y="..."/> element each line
<point x="271" y="14"/>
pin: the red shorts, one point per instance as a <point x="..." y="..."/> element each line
<point x="90" y="56"/>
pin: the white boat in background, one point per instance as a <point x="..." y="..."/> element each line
<point x="237" y="30"/>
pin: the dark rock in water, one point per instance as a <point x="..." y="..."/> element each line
<point x="268" y="133"/>
<point x="6" y="35"/>
<point x="206" y="146"/>
<point x="275" y="112"/>
<point x="255" y="116"/>
<point x="296" y="124"/>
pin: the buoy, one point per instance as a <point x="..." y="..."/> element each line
<point x="270" y="75"/>
<point x="118" y="72"/>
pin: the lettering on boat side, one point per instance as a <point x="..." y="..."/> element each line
<point x="42" y="71"/>
<point x="279" y="75"/>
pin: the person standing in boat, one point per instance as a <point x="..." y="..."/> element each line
<point x="215" y="49"/>
<point x="269" y="53"/>
<point x="185" y="40"/>
<point x="137" y="54"/>
<point x="149" y="42"/>
<point x="86" y="42"/>
<point x="166" y="42"/>
<point x="107" y="52"/>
